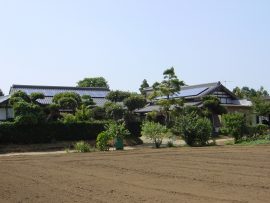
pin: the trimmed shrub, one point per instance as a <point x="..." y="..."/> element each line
<point x="195" y="130"/>
<point x="82" y="146"/>
<point x="47" y="132"/>
<point x="234" y="124"/>
<point x="57" y="131"/>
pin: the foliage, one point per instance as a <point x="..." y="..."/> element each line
<point x="82" y="147"/>
<point x="262" y="129"/>
<point x="93" y="82"/>
<point x="19" y="96"/>
<point x="213" y="106"/>
<point x="52" y="111"/>
<point x="113" y="130"/>
<point x="117" y="129"/>
<point x="143" y="86"/>
<point x="1" y="93"/>
<point x="83" y="113"/>
<point x="254" y="142"/>
<point x="67" y="100"/>
<point x="249" y="93"/>
<point x="154" y="116"/>
<point x="28" y="113"/>
<point x="46" y="132"/>
<point x="117" y="96"/>
<point x="170" y="144"/>
<point x="87" y="101"/>
<point x="168" y="87"/>
<point x="102" y="141"/>
<point x="114" y="111"/>
<point x="98" y="113"/>
<point x="256" y="132"/>
<point x="135" y="101"/>
<point x="68" y="118"/>
<point x="234" y="124"/>
<point x="261" y="106"/>
<point x="36" y="95"/>
<point x="154" y="131"/>
<point x="194" y="129"/>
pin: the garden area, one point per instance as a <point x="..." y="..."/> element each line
<point x="83" y="126"/>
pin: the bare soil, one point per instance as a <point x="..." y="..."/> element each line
<point x="210" y="174"/>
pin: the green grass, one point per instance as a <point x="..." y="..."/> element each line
<point x="254" y="142"/>
<point x="83" y="147"/>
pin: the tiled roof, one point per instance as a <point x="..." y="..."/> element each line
<point x="50" y="91"/>
<point x="197" y="91"/>
<point x="4" y="99"/>
<point x="48" y="100"/>
<point x="98" y="94"/>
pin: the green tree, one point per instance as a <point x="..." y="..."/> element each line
<point x="87" y="101"/>
<point x="249" y="93"/>
<point x="35" y="96"/>
<point x="135" y="101"/>
<point x="114" y="111"/>
<point x="234" y="124"/>
<point x="93" y="82"/>
<point x="28" y="113"/>
<point x="1" y="93"/>
<point x="117" y="96"/>
<point x="194" y="129"/>
<point x="19" y="96"/>
<point x="25" y="110"/>
<point x="155" y="132"/>
<point x="261" y="107"/>
<point x="67" y="100"/>
<point x="212" y="107"/>
<point x="83" y="113"/>
<point x="165" y="90"/>
<point x="98" y="113"/>
<point x="143" y="86"/>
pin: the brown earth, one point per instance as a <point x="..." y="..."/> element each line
<point x="210" y="174"/>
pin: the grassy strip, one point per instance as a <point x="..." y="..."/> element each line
<point x="254" y="142"/>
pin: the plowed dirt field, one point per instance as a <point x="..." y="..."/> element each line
<point x="210" y="174"/>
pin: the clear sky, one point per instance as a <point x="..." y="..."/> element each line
<point x="58" y="42"/>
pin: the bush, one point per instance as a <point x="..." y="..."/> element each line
<point x="46" y="132"/>
<point x="82" y="147"/>
<point x="262" y="129"/>
<point x="102" y="141"/>
<point x="195" y="130"/>
<point x="234" y="124"/>
<point x="154" y="131"/>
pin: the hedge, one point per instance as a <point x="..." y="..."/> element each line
<point x="57" y="131"/>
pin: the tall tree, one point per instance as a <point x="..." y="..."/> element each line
<point x="165" y="90"/>
<point x="1" y="93"/>
<point x="93" y="82"/>
<point x="143" y="86"/>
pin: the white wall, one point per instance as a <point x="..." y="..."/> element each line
<point x="2" y="114"/>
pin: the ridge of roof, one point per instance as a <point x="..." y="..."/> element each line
<point x="57" y="87"/>
<point x="213" y="84"/>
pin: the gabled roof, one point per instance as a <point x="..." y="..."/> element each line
<point x="199" y="91"/>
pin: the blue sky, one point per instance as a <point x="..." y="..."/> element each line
<point x="58" y="42"/>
